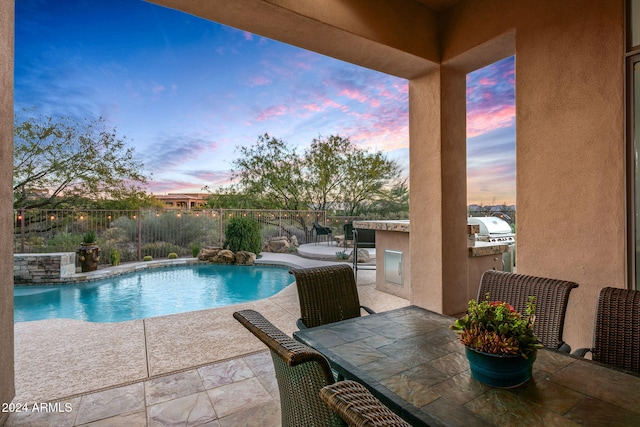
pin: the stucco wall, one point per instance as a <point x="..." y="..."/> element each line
<point x="7" y="390"/>
<point x="570" y="138"/>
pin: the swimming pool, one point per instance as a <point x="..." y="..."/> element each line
<point x="149" y="293"/>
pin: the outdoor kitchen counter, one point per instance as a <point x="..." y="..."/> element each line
<point x="389" y="225"/>
<point x="487" y="248"/>
<point x="393" y="260"/>
<point x="393" y="263"/>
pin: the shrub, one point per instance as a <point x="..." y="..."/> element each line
<point x="195" y="249"/>
<point x="342" y="255"/>
<point x="114" y="256"/>
<point x="61" y="242"/>
<point x="243" y="234"/>
<point x="161" y="249"/>
<point x="173" y="255"/>
<point x="148" y="258"/>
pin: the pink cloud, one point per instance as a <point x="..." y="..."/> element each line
<point x="247" y="35"/>
<point x="303" y="65"/>
<point x="312" y="107"/>
<point x="271" y="112"/>
<point x="353" y="94"/>
<point x="259" y="81"/>
<point x="483" y="121"/>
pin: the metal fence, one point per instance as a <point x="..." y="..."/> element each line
<point x="135" y="234"/>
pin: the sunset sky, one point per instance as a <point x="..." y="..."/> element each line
<point x="186" y="92"/>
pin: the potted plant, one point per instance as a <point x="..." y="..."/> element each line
<point x="89" y="252"/>
<point x="499" y="342"/>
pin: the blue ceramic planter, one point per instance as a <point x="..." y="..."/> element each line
<point x="504" y="371"/>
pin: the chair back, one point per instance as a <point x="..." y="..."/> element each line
<point x="301" y="373"/>
<point x="348" y="231"/>
<point x="321" y="229"/>
<point x="552" y="296"/>
<point x="358" y="407"/>
<point x="327" y="294"/>
<point x="617" y="329"/>
<point x="364" y="238"/>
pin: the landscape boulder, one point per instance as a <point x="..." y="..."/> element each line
<point x="279" y="245"/>
<point x="363" y="256"/>
<point x="225" y="256"/>
<point x="245" y="258"/>
<point x="208" y="253"/>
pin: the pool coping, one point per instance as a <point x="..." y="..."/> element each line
<point x="132" y="267"/>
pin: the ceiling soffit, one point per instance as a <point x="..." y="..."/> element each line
<point x="398" y="37"/>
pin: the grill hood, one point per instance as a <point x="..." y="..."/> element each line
<point x="490" y="226"/>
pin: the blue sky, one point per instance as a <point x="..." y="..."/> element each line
<point x="185" y="92"/>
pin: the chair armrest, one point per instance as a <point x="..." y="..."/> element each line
<point x="581" y="352"/>
<point x="367" y="309"/>
<point x="358" y="407"/>
<point x="300" y="324"/>
<point x="564" y="348"/>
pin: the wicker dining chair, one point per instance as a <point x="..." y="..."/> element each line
<point x="552" y="296"/>
<point x="358" y="407"/>
<point x="300" y="371"/>
<point x="327" y="294"/>
<point x="616" y="339"/>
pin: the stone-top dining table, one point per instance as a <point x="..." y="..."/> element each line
<point x="413" y="362"/>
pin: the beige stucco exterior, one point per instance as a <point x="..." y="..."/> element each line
<point x="6" y="226"/>
<point x="569" y="119"/>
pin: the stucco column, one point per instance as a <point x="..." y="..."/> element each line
<point x="7" y="390"/>
<point x="438" y="240"/>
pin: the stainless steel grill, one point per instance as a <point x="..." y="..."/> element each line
<point x="496" y="230"/>
<point x="493" y="229"/>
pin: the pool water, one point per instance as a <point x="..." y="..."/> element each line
<point x="149" y="293"/>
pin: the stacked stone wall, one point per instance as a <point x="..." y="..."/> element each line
<point x="43" y="268"/>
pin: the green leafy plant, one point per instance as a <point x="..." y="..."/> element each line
<point x="195" y="249"/>
<point x="496" y="327"/>
<point x="243" y="234"/>
<point x="148" y="258"/>
<point x="342" y="255"/>
<point x="114" y="256"/>
<point x="89" y="237"/>
<point x="172" y="255"/>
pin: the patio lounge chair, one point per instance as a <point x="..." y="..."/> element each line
<point x="327" y="294"/>
<point x="301" y="373"/>
<point x="616" y="339"/>
<point x="322" y="231"/>
<point x="551" y="295"/>
<point x="358" y="407"/>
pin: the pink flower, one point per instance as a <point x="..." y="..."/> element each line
<point x="498" y="303"/>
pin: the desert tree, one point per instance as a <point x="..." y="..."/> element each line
<point x="65" y="163"/>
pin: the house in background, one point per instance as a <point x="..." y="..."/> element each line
<point x="575" y="152"/>
<point x="185" y="201"/>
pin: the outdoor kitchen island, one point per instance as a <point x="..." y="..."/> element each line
<point x="393" y="260"/>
